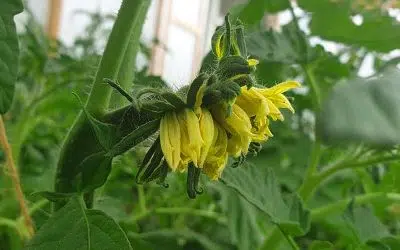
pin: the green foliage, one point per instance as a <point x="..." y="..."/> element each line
<point x="255" y="9"/>
<point x="75" y="227"/>
<point x="377" y="32"/>
<point x="294" y="194"/>
<point x="363" y="111"/>
<point x="9" y="51"/>
<point x="261" y="189"/>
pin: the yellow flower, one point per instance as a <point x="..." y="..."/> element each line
<point x="217" y="157"/>
<point x="170" y="139"/>
<point x="238" y="126"/>
<point x="207" y="133"/>
<point x="276" y="99"/>
<point x="191" y="140"/>
<point x="256" y="107"/>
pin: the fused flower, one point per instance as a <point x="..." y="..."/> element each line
<point x="217" y="157"/>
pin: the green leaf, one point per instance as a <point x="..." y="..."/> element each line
<point x="54" y="196"/>
<point x="378" y="31"/>
<point x="289" y="46"/>
<point x="168" y="238"/>
<point x="75" y="227"/>
<point x="321" y="245"/>
<point x="259" y="186"/>
<point x="243" y="229"/>
<point x="254" y="11"/>
<point x="9" y="51"/>
<point x="95" y="170"/>
<point x="363" y="110"/>
<point x="365" y="226"/>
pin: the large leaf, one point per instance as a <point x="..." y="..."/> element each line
<point x="242" y="224"/>
<point x="287" y="47"/>
<point x="254" y="11"/>
<point x="378" y="31"/>
<point x="259" y="186"/>
<point x="9" y="51"/>
<point x="75" y="227"/>
<point x="367" y="231"/>
<point x="363" y="110"/>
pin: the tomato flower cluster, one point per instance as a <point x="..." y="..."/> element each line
<point x="226" y="114"/>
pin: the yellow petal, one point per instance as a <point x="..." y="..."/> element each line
<point x="217" y="157"/>
<point x="274" y="113"/>
<point x="283" y="87"/>
<point x="170" y="137"/>
<point x="191" y="141"/>
<point x="207" y="134"/>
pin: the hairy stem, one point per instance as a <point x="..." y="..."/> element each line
<point x="13" y="172"/>
<point x="127" y="71"/>
<point x="80" y="142"/>
<point x="113" y="56"/>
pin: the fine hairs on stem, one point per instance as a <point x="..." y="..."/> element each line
<point x="13" y="173"/>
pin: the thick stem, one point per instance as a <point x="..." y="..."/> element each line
<point x="80" y="142"/>
<point x="113" y="55"/>
<point x="13" y="172"/>
<point x="127" y="71"/>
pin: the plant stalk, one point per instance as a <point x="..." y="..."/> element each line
<point x="81" y="142"/>
<point x="13" y="172"/>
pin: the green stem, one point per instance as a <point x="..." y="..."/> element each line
<point x="183" y="210"/>
<point x="322" y="212"/>
<point x="127" y="72"/>
<point x="141" y="199"/>
<point x="80" y="141"/>
<point x="346" y="165"/>
<point x="128" y="17"/>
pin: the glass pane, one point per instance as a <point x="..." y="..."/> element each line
<point x="186" y="11"/>
<point x="179" y="57"/>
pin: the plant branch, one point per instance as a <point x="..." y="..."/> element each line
<point x="127" y="71"/>
<point x="323" y="211"/>
<point x="80" y="142"/>
<point x="183" y="210"/>
<point x="13" y="172"/>
<point x="128" y="17"/>
<point x="346" y="165"/>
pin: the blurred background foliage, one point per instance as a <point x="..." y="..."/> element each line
<point x="357" y="118"/>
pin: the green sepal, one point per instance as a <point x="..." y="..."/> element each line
<point x="194" y="88"/>
<point x="192" y="181"/>
<point x="239" y="43"/>
<point x="151" y="162"/>
<point x="164" y="170"/>
<point x="228" y="34"/>
<point x="255" y="148"/>
<point x="156" y="108"/>
<point x="138" y="135"/>
<point x="217" y="42"/>
<point x="173" y="99"/>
